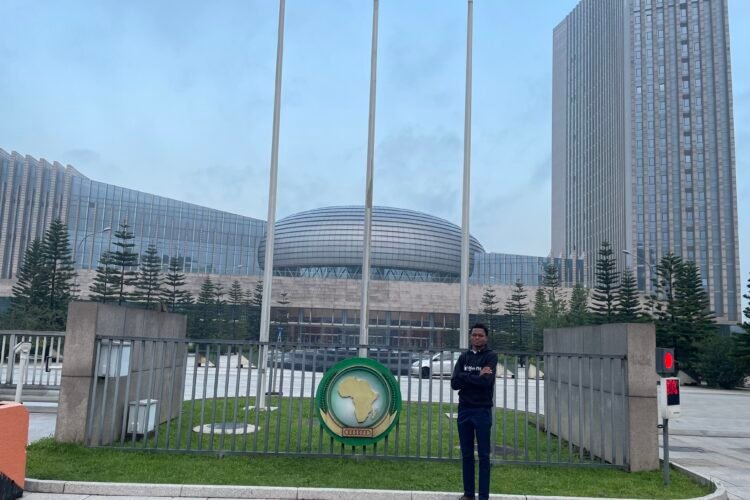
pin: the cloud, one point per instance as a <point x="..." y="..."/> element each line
<point x="82" y="156"/>
<point x="421" y="171"/>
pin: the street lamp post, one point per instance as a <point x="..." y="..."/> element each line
<point x="78" y="248"/>
<point x="92" y="233"/>
<point x="642" y="259"/>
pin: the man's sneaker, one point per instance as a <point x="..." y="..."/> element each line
<point x="466" y="498"/>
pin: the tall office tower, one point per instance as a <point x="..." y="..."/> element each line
<point x="643" y="139"/>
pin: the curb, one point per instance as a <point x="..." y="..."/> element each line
<point x="719" y="494"/>
<point x="287" y="493"/>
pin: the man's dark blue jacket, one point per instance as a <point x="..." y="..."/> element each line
<point x="474" y="391"/>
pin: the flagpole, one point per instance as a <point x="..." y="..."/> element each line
<point x="364" y="308"/>
<point x="265" y="309"/>
<point x="464" y="331"/>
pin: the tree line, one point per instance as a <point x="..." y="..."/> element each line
<point x="47" y="282"/>
<point x="679" y="307"/>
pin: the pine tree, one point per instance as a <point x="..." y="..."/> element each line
<point x="236" y="296"/>
<point x="605" y="296"/>
<point x="742" y="341"/>
<point x="628" y="308"/>
<point x="124" y="259"/>
<point x="555" y="303"/>
<point x="29" y="303"/>
<point x="172" y="292"/>
<point x="518" y="309"/>
<point x="206" y="308"/>
<point x="254" y="303"/>
<point x="59" y="263"/>
<point x="219" y="316"/>
<point x="663" y="302"/>
<point x="103" y="288"/>
<point x="490" y="309"/>
<point x="578" y="315"/>
<point x="149" y="283"/>
<point x="695" y="320"/>
<point x="30" y="291"/>
<point x="283" y="312"/>
<point x="541" y="317"/>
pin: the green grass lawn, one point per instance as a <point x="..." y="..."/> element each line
<point x="424" y="431"/>
<point x="50" y="460"/>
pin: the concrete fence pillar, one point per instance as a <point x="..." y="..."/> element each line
<point x="601" y="394"/>
<point x="79" y="380"/>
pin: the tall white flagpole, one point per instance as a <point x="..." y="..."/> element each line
<point x="464" y="331"/>
<point x="364" y="316"/>
<point x="265" y="308"/>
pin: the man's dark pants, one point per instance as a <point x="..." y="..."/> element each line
<point x="475" y="422"/>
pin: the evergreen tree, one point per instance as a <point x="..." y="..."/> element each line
<point x="605" y="295"/>
<point x="206" y="308"/>
<point x="490" y="309"/>
<point x="172" y="292"/>
<point x="541" y="317"/>
<point x="716" y="363"/>
<point x="219" y="316"/>
<point x="124" y="259"/>
<point x="578" y="314"/>
<point x="148" y="286"/>
<point x="236" y="296"/>
<point x="683" y="317"/>
<point x="742" y="341"/>
<point x="518" y="309"/>
<point x="254" y="303"/>
<point x="628" y="308"/>
<point x="283" y="313"/>
<point x="695" y="321"/>
<point x="103" y="288"/>
<point x="555" y="302"/>
<point x="663" y="302"/>
<point x="59" y="263"/>
<point x="30" y="290"/>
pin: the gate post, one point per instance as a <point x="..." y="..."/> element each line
<point x="632" y="400"/>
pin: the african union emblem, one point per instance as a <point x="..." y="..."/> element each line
<point x="358" y="401"/>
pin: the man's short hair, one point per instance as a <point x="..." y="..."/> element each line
<point x="481" y="326"/>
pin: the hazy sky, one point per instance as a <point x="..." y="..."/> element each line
<point x="175" y="98"/>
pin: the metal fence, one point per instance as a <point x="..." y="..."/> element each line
<point x="45" y="358"/>
<point x="199" y="397"/>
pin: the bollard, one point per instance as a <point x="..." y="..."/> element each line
<point x="24" y="348"/>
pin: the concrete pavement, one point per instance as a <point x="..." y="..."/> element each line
<point x="712" y="437"/>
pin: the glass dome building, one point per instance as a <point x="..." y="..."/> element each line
<point x="406" y="245"/>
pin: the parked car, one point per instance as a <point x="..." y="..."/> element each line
<point x="438" y="365"/>
<point x="321" y="359"/>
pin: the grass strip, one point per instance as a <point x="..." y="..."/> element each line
<point x="50" y="460"/>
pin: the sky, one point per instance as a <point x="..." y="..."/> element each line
<point x="175" y="98"/>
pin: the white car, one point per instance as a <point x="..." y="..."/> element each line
<point x="440" y="365"/>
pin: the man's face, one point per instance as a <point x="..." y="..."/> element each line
<point x="478" y="338"/>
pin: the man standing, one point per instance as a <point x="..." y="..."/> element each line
<point x="474" y="378"/>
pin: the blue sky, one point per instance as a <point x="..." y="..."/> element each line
<point x="175" y="98"/>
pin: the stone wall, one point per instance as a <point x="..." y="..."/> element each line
<point x="151" y="372"/>
<point x="605" y="405"/>
<point x="407" y="296"/>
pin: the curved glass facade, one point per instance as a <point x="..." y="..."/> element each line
<point x="205" y="240"/>
<point x="406" y="245"/>
<point x="321" y="243"/>
<point x="505" y="269"/>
